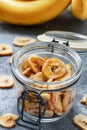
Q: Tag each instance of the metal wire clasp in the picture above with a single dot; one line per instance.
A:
(25, 96)
(66, 43)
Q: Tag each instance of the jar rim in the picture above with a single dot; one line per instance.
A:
(26, 81)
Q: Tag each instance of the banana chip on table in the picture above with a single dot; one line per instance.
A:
(6, 81)
(80, 120)
(22, 41)
(5, 49)
(84, 100)
(8, 120)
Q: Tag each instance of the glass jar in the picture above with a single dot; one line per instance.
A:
(49, 101)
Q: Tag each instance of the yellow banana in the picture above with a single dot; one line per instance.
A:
(31, 12)
(79, 9)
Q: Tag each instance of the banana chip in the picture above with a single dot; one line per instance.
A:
(6, 81)
(80, 120)
(84, 100)
(36, 62)
(48, 113)
(8, 120)
(24, 65)
(39, 77)
(68, 73)
(22, 41)
(54, 68)
(57, 102)
(5, 50)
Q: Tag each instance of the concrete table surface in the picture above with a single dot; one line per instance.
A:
(8, 98)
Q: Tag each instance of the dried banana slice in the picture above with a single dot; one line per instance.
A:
(84, 100)
(8, 120)
(31, 105)
(57, 103)
(48, 113)
(31, 75)
(54, 68)
(22, 41)
(27, 72)
(39, 77)
(81, 121)
(24, 65)
(5, 50)
(46, 96)
(50, 80)
(6, 81)
(46, 58)
(50, 105)
(36, 62)
(68, 73)
(40, 86)
(67, 101)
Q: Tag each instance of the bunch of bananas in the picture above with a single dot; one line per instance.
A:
(31, 12)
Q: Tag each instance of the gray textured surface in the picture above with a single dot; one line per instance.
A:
(8, 98)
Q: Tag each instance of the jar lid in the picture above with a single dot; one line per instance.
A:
(76, 41)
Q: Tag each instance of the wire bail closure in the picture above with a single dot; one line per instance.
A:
(23, 98)
(65, 43)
